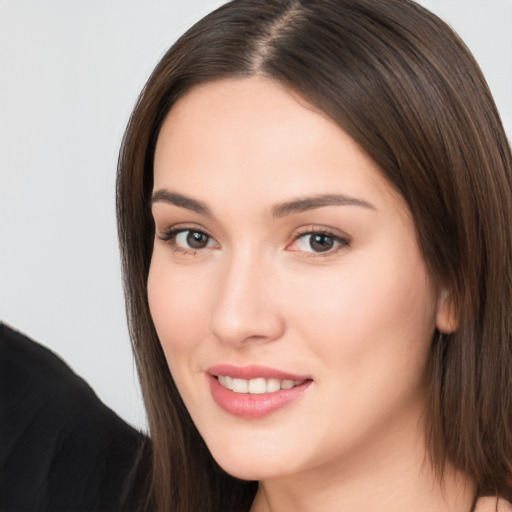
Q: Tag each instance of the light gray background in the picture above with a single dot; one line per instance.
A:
(69, 75)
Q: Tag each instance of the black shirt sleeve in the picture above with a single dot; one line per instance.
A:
(61, 448)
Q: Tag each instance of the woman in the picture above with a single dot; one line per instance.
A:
(314, 204)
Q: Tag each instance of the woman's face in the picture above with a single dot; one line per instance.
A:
(286, 268)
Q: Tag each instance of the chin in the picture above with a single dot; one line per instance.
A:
(253, 461)
(252, 470)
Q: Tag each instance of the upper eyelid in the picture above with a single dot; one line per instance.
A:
(339, 238)
(164, 223)
(342, 239)
(179, 227)
(169, 235)
(336, 233)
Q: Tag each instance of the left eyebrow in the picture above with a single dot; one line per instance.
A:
(309, 203)
(180, 200)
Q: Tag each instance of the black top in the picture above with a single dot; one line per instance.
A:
(61, 448)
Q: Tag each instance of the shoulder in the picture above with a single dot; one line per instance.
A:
(61, 448)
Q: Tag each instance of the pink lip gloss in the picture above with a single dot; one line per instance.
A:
(254, 406)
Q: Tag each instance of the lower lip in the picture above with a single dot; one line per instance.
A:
(245, 405)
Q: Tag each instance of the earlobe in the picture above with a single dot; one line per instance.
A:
(447, 320)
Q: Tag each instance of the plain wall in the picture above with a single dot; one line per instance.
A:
(70, 73)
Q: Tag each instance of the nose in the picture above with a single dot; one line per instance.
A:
(245, 309)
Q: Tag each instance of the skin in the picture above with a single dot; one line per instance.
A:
(490, 504)
(357, 318)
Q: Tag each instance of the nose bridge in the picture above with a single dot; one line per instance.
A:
(243, 309)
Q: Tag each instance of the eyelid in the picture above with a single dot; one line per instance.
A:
(169, 234)
(343, 240)
(172, 229)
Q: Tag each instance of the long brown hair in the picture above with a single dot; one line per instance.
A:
(407, 90)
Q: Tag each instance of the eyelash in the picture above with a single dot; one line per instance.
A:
(170, 235)
(342, 241)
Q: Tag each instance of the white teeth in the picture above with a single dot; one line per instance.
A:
(273, 385)
(240, 385)
(226, 381)
(287, 384)
(256, 386)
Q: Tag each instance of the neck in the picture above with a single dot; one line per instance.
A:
(390, 473)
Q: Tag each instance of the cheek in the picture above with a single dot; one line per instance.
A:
(369, 314)
(368, 331)
(178, 302)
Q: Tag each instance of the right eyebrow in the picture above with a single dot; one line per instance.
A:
(309, 203)
(180, 200)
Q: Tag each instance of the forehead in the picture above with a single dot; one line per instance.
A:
(242, 114)
(253, 134)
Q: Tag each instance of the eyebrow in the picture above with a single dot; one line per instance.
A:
(279, 210)
(309, 203)
(180, 200)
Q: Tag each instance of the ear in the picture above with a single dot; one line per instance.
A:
(447, 320)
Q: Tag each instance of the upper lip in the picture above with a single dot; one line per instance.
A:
(253, 371)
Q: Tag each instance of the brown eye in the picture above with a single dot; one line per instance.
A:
(196, 239)
(188, 240)
(321, 243)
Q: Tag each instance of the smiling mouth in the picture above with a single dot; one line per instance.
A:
(265, 391)
(257, 386)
